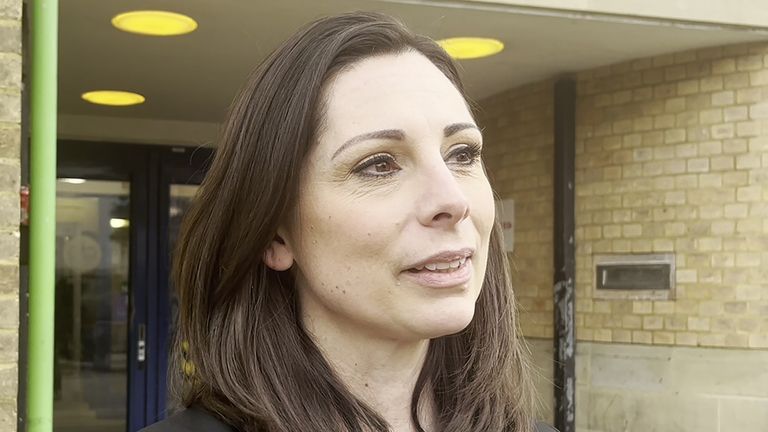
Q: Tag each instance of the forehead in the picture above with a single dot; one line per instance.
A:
(393, 91)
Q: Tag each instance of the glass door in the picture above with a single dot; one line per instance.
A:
(118, 211)
(91, 319)
(180, 198)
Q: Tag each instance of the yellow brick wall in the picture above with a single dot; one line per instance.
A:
(671, 156)
(10, 143)
(519, 153)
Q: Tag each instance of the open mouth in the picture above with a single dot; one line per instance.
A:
(447, 267)
(442, 275)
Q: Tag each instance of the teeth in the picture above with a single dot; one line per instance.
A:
(443, 266)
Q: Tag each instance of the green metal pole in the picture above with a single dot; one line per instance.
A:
(42, 214)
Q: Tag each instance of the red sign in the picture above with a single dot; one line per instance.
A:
(24, 195)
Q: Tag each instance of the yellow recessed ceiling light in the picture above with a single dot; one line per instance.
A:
(154, 23)
(113, 97)
(471, 47)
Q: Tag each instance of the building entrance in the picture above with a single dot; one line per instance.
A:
(118, 209)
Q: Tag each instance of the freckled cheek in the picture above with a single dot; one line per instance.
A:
(345, 228)
(344, 249)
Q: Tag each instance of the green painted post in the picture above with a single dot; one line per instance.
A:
(42, 213)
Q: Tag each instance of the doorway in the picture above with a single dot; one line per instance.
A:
(118, 209)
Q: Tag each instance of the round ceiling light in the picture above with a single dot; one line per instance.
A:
(154, 23)
(113, 97)
(463, 48)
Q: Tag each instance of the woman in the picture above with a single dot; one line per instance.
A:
(341, 268)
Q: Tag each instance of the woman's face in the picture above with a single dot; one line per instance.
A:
(394, 179)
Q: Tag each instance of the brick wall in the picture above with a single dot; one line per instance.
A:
(519, 153)
(671, 156)
(10, 132)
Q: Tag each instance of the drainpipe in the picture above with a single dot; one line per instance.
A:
(42, 213)
(565, 337)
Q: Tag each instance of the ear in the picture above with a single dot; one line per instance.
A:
(278, 255)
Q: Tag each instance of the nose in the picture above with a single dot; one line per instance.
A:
(441, 202)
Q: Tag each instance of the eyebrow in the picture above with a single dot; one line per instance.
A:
(398, 135)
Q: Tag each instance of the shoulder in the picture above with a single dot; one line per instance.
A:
(543, 427)
(189, 420)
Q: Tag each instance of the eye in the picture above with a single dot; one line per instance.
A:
(467, 154)
(380, 165)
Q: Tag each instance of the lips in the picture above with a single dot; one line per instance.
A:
(446, 269)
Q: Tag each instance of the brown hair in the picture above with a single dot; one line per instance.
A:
(255, 367)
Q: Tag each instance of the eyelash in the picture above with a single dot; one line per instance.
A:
(473, 150)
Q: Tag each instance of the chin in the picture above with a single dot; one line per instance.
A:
(447, 319)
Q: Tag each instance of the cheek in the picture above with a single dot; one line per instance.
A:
(483, 217)
(483, 207)
(342, 244)
(335, 223)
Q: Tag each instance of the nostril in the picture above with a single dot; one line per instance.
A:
(451, 218)
(442, 216)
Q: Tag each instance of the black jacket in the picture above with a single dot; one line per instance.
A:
(193, 420)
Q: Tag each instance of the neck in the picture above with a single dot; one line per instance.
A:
(381, 372)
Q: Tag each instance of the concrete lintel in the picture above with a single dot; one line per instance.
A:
(140, 131)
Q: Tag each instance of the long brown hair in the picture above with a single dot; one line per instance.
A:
(247, 358)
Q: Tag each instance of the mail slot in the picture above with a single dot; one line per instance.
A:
(635, 276)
